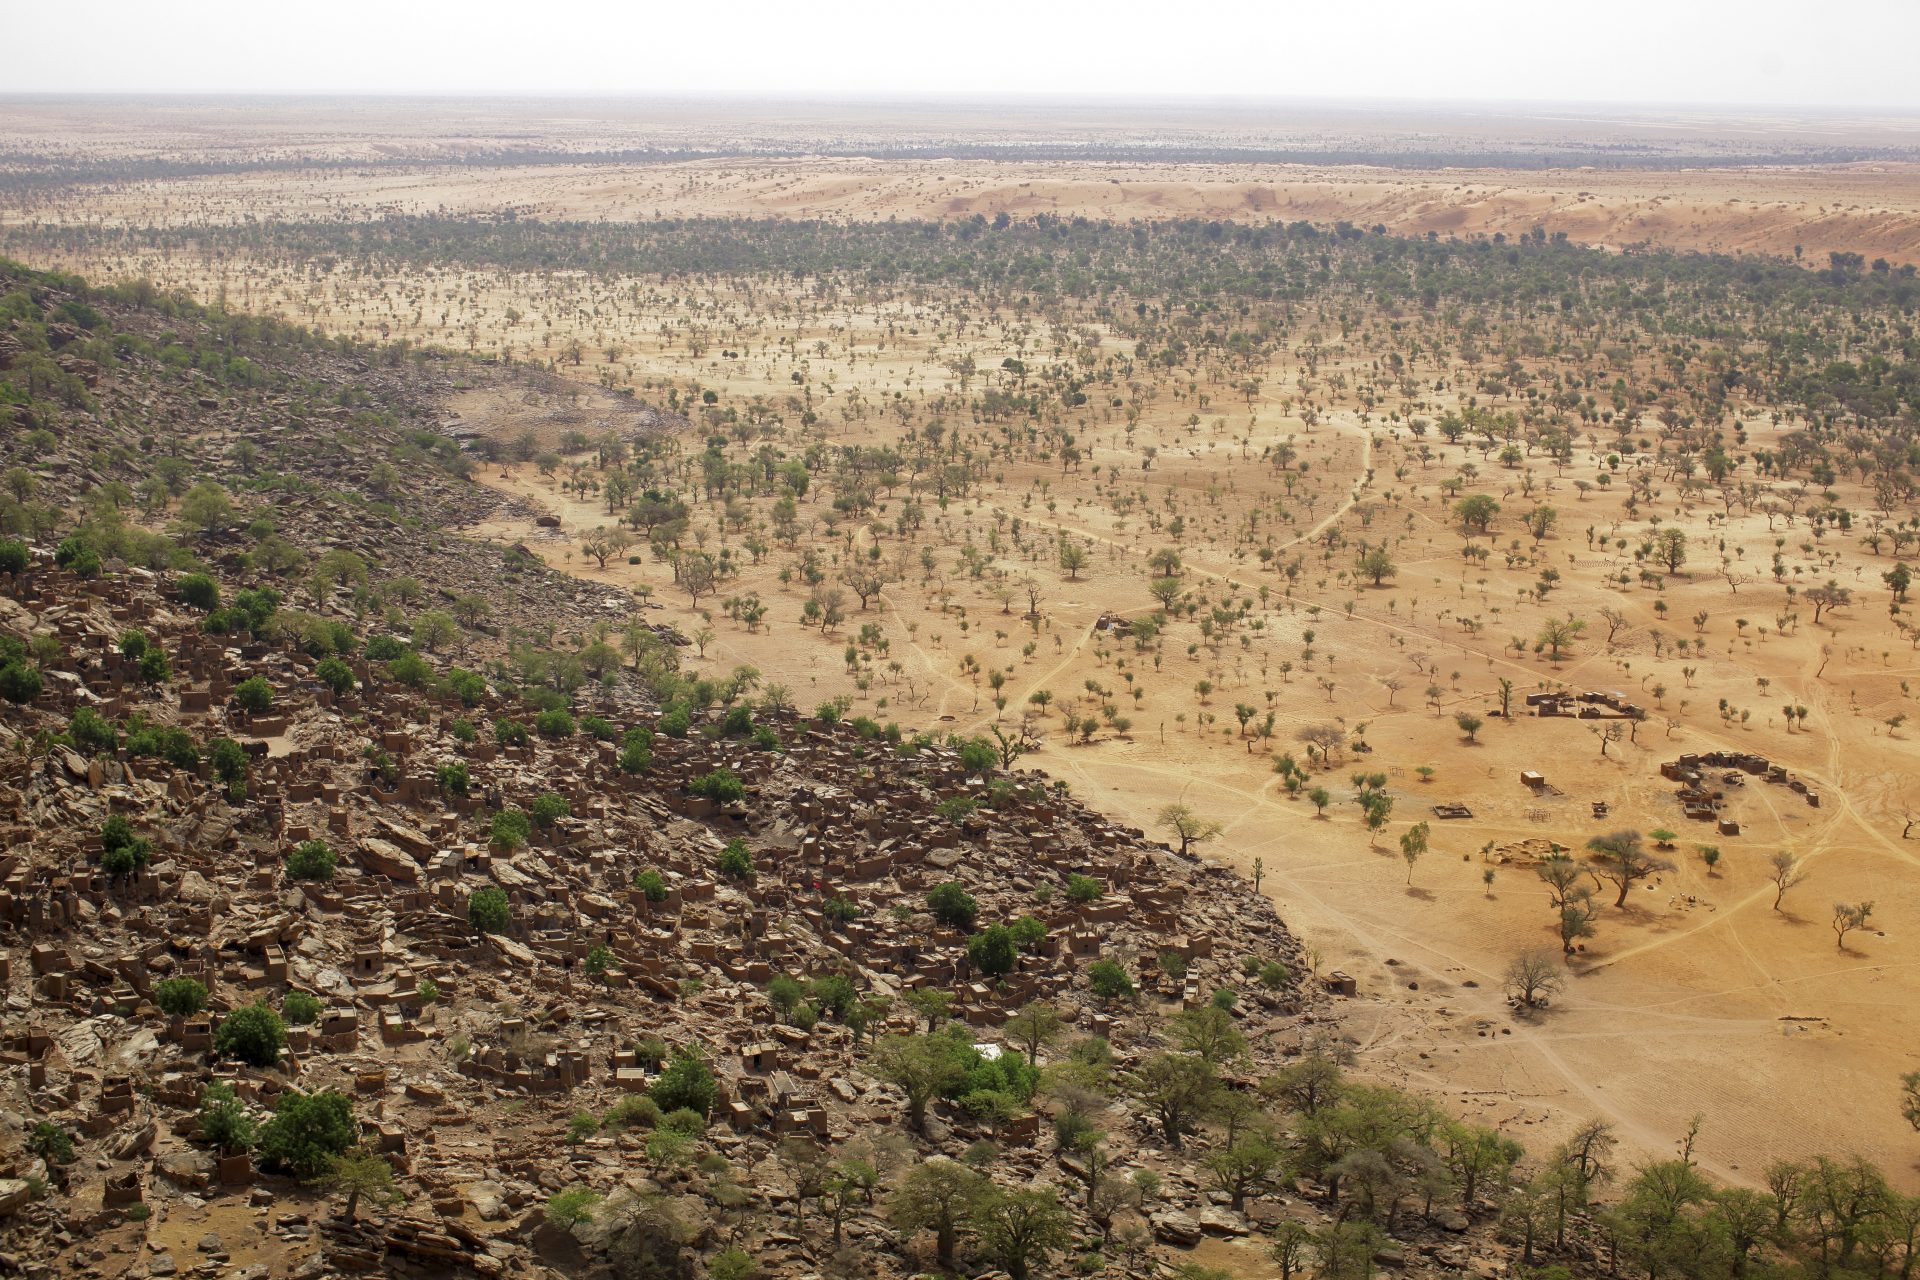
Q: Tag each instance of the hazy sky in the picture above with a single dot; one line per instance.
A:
(1786, 52)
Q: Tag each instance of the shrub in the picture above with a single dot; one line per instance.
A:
(993, 952)
(14, 557)
(738, 722)
(77, 558)
(335, 674)
(200, 591)
(307, 1130)
(254, 695)
(91, 732)
(841, 910)
(635, 1111)
(510, 733)
(652, 884)
(462, 730)
(19, 682)
(722, 786)
(1274, 975)
(509, 828)
(568, 1209)
(598, 728)
(255, 1035)
(467, 686)
(547, 809)
(50, 1142)
(180, 997)
(385, 648)
(953, 905)
(453, 777)
(427, 991)
(977, 755)
(487, 910)
(675, 721)
(1108, 980)
(735, 862)
(557, 723)
(687, 1082)
(684, 1120)
(580, 1128)
(1084, 888)
(311, 860)
(300, 1008)
(411, 670)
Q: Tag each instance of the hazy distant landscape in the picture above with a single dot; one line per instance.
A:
(1481, 535)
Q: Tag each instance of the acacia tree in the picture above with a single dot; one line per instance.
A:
(1621, 857)
(1785, 871)
(1831, 596)
(1558, 634)
(1413, 846)
(1187, 826)
(1848, 916)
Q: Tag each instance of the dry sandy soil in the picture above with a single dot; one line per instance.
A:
(1697, 997)
(1868, 208)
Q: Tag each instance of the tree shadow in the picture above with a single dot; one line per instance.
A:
(1424, 895)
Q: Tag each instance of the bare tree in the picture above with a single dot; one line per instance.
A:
(1785, 871)
(1532, 977)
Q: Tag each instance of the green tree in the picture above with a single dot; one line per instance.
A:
(254, 695)
(1039, 1024)
(1476, 511)
(993, 951)
(307, 1130)
(311, 860)
(952, 905)
(685, 1083)
(1019, 1228)
(487, 909)
(1188, 828)
(357, 1172)
(180, 997)
(1177, 1088)
(923, 1067)
(253, 1034)
(225, 1121)
(936, 1196)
